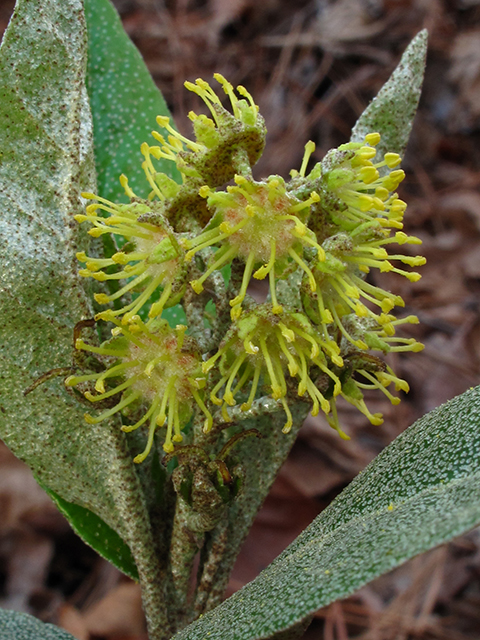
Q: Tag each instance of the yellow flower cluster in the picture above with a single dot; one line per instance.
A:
(160, 367)
(155, 263)
(259, 223)
(328, 229)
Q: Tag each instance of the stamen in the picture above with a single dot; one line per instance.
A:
(226, 228)
(164, 122)
(376, 385)
(279, 373)
(118, 407)
(124, 182)
(104, 351)
(314, 197)
(372, 139)
(301, 263)
(309, 149)
(72, 381)
(387, 378)
(161, 416)
(276, 308)
(217, 387)
(237, 301)
(361, 310)
(123, 290)
(209, 420)
(198, 240)
(208, 364)
(337, 384)
(151, 433)
(320, 251)
(266, 269)
(292, 365)
(176, 423)
(302, 387)
(217, 238)
(315, 350)
(225, 415)
(227, 254)
(148, 370)
(287, 333)
(245, 376)
(334, 423)
(243, 92)
(113, 372)
(203, 90)
(227, 87)
(289, 423)
(358, 343)
(246, 406)
(127, 428)
(168, 444)
(149, 170)
(375, 418)
(227, 394)
(142, 299)
(157, 307)
(276, 389)
(313, 392)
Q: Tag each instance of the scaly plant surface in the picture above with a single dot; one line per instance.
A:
(161, 431)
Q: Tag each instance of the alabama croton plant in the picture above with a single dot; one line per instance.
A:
(153, 398)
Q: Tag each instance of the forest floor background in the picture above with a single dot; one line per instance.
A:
(312, 66)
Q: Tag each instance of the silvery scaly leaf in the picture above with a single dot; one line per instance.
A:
(421, 491)
(46, 161)
(20, 626)
(392, 111)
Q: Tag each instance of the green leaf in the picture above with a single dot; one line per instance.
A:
(421, 491)
(392, 112)
(97, 534)
(124, 102)
(47, 161)
(20, 626)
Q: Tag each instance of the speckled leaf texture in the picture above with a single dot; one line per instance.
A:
(46, 161)
(422, 490)
(124, 102)
(20, 626)
(392, 111)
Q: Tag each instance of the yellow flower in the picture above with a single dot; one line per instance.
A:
(357, 212)
(224, 144)
(379, 378)
(358, 190)
(341, 285)
(160, 368)
(261, 224)
(155, 262)
(263, 346)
